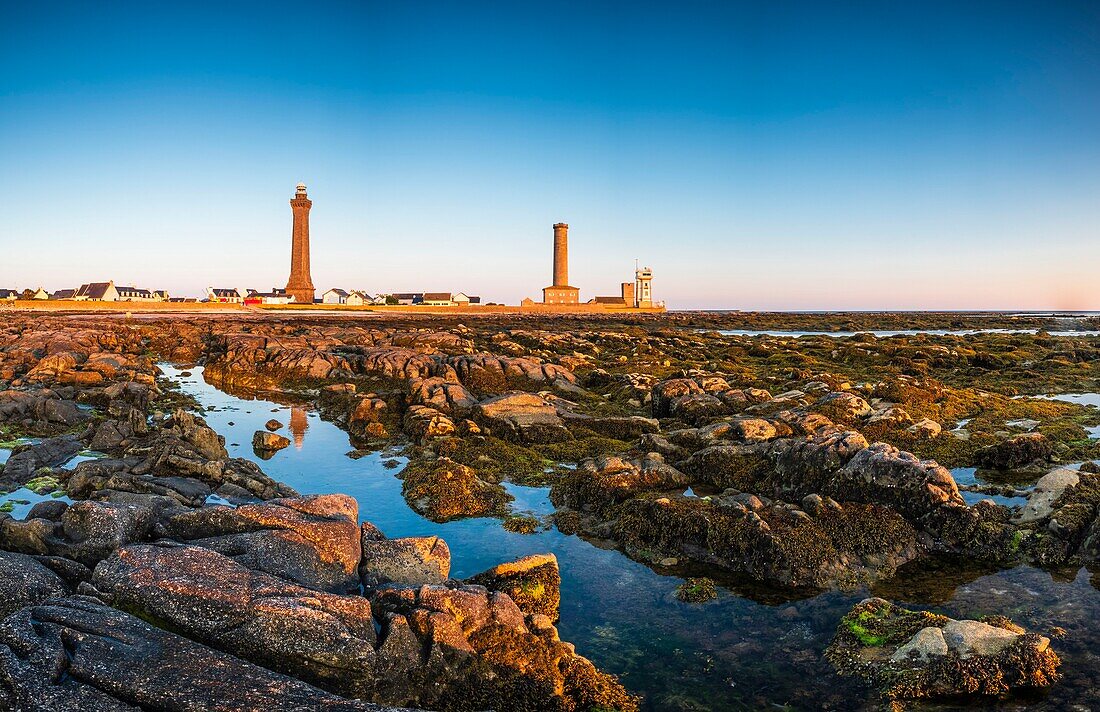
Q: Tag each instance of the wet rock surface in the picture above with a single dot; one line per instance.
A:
(914, 654)
(75, 653)
(795, 463)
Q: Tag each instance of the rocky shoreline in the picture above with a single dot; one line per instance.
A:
(801, 464)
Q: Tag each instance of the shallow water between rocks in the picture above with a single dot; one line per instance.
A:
(883, 334)
(751, 649)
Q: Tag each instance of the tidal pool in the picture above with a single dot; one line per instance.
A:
(18, 503)
(899, 332)
(751, 649)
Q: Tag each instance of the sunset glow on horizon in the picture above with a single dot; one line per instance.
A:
(924, 157)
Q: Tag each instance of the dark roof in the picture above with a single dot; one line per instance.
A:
(6, 293)
(341, 292)
(437, 296)
(609, 300)
(409, 295)
(225, 292)
(475, 300)
(93, 290)
(63, 294)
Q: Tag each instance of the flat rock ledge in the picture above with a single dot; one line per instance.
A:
(908, 654)
(288, 604)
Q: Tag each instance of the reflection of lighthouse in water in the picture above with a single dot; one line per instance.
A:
(298, 425)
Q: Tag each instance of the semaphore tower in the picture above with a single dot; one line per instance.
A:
(300, 284)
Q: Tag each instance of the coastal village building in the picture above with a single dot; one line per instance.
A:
(224, 295)
(133, 294)
(408, 297)
(464, 300)
(97, 292)
(437, 299)
(105, 292)
(275, 296)
(560, 292)
(334, 296)
(300, 284)
(255, 297)
(625, 298)
(359, 298)
(9, 294)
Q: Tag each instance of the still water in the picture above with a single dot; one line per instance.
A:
(751, 649)
(901, 332)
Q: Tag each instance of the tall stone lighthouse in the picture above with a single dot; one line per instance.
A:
(560, 292)
(300, 284)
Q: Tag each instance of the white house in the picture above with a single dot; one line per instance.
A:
(133, 294)
(97, 292)
(357, 298)
(40, 294)
(437, 299)
(276, 296)
(223, 295)
(334, 296)
(464, 300)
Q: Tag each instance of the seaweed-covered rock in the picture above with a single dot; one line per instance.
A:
(600, 482)
(447, 397)
(622, 427)
(882, 473)
(1016, 452)
(25, 460)
(916, 654)
(444, 489)
(424, 423)
(843, 407)
(775, 543)
(533, 582)
(697, 590)
(462, 647)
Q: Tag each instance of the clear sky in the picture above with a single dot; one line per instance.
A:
(757, 155)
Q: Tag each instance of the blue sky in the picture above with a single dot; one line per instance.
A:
(759, 155)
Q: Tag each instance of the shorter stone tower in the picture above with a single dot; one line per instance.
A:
(628, 294)
(560, 292)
